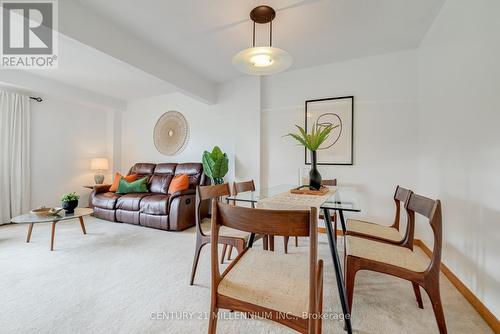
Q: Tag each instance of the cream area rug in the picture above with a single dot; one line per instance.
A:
(121, 278)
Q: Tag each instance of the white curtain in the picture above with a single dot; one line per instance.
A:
(14, 155)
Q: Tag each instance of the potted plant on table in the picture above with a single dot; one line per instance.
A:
(215, 165)
(312, 141)
(69, 202)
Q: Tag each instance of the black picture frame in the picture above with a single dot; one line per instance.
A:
(351, 97)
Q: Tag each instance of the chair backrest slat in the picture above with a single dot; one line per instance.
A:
(421, 205)
(430, 209)
(261, 221)
(205, 193)
(218, 190)
(332, 182)
(240, 187)
(400, 195)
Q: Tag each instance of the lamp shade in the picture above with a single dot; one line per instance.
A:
(262, 60)
(99, 164)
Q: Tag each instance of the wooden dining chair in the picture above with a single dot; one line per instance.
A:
(401, 261)
(287, 289)
(240, 187)
(391, 234)
(228, 236)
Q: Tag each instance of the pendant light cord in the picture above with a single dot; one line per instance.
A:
(270, 32)
(253, 33)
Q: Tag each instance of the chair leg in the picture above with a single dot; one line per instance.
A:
(271, 243)
(197, 252)
(240, 246)
(319, 323)
(212, 322)
(435, 297)
(230, 252)
(296, 241)
(418, 296)
(224, 249)
(285, 244)
(335, 229)
(350, 276)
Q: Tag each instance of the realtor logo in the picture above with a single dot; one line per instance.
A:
(29, 34)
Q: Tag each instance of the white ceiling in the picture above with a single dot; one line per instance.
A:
(84, 67)
(205, 34)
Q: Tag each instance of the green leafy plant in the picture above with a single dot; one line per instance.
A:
(70, 197)
(215, 165)
(312, 141)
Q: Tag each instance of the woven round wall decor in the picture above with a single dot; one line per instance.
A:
(171, 133)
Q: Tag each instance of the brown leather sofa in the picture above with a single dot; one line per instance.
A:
(157, 208)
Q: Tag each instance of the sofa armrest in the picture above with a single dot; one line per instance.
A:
(182, 193)
(101, 189)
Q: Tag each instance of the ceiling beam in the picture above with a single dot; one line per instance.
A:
(34, 84)
(84, 25)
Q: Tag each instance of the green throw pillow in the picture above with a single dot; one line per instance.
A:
(139, 186)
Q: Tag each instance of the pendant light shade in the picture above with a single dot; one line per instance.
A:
(262, 60)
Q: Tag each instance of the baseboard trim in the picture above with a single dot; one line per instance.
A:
(485, 313)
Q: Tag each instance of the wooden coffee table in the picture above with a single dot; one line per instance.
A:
(33, 219)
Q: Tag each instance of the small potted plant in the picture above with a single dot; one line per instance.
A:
(70, 202)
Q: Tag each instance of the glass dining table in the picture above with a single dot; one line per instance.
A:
(344, 199)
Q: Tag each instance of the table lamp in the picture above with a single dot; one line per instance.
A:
(99, 164)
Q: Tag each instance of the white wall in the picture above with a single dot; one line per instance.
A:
(385, 132)
(233, 124)
(64, 137)
(459, 162)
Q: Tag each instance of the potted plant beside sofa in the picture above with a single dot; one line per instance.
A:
(215, 165)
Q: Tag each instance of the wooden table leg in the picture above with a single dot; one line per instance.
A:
(82, 224)
(30, 229)
(52, 236)
(271, 243)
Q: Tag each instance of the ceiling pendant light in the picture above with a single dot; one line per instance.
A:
(262, 60)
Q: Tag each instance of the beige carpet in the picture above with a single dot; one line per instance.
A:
(119, 276)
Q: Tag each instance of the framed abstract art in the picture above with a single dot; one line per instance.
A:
(338, 148)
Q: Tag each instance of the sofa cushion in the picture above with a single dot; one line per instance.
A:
(131, 202)
(138, 186)
(165, 168)
(142, 169)
(154, 221)
(193, 170)
(179, 183)
(125, 216)
(155, 205)
(105, 214)
(118, 177)
(105, 200)
(159, 183)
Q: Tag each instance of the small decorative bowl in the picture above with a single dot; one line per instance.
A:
(46, 212)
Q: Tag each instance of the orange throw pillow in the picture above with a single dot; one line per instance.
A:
(178, 183)
(116, 181)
